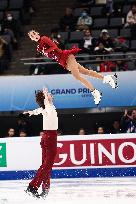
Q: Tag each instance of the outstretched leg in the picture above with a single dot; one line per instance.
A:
(88, 72)
(109, 79)
(72, 66)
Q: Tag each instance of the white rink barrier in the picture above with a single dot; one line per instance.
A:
(77, 156)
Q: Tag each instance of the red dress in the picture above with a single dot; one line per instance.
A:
(57, 54)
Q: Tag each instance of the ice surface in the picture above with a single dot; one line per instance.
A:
(74, 191)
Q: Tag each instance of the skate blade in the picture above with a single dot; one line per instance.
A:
(30, 194)
(99, 101)
(116, 81)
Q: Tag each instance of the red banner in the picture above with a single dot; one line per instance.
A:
(99, 153)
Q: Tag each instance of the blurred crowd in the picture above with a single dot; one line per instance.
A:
(13, 16)
(108, 30)
(126, 124)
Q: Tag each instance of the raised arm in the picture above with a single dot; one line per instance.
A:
(34, 112)
(45, 92)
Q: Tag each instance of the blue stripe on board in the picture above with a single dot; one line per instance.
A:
(71, 173)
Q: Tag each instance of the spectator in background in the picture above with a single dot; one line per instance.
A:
(120, 44)
(22, 123)
(128, 122)
(56, 37)
(88, 43)
(131, 21)
(107, 66)
(22, 133)
(100, 130)
(11, 132)
(3, 55)
(116, 127)
(121, 65)
(68, 21)
(131, 64)
(11, 27)
(106, 40)
(101, 50)
(84, 21)
(81, 131)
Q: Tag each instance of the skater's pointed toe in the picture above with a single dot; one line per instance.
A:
(97, 96)
(111, 80)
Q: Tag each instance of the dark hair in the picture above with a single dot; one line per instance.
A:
(22, 130)
(11, 128)
(40, 98)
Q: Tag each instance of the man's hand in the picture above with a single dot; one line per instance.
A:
(45, 91)
(30, 113)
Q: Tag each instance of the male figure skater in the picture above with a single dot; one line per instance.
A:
(48, 143)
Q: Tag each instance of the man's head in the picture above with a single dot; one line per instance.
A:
(33, 35)
(134, 114)
(100, 130)
(84, 13)
(11, 132)
(40, 98)
(87, 33)
(81, 131)
(116, 125)
(22, 133)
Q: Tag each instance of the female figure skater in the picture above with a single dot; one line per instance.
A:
(48, 143)
(67, 59)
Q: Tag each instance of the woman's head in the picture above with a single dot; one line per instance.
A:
(33, 35)
(8, 16)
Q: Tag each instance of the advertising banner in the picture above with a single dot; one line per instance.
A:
(17, 93)
(77, 156)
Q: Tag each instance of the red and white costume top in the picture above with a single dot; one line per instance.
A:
(49, 49)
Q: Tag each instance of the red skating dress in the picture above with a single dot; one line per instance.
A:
(57, 54)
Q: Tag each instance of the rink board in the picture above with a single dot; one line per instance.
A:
(67, 92)
(112, 155)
